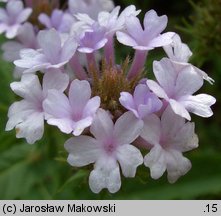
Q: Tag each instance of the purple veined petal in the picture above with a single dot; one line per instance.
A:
(179, 109)
(79, 94)
(79, 126)
(102, 126)
(161, 40)
(127, 128)
(129, 158)
(157, 89)
(14, 8)
(177, 166)
(23, 16)
(126, 39)
(29, 88)
(32, 128)
(50, 42)
(188, 82)
(105, 175)
(53, 109)
(55, 80)
(91, 107)
(199, 104)
(152, 130)
(154, 24)
(165, 74)
(45, 20)
(156, 161)
(83, 150)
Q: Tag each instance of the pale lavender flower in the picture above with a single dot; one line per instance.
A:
(73, 113)
(169, 136)
(113, 22)
(27, 115)
(149, 37)
(177, 87)
(90, 7)
(142, 102)
(12, 17)
(61, 21)
(53, 53)
(145, 39)
(180, 53)
(109, 149)
(92, 40)
(25, 38)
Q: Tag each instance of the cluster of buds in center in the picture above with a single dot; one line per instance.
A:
(108, 106)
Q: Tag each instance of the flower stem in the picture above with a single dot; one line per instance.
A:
(91, 61)
(78, 69)
(138, 63)
(109, 50)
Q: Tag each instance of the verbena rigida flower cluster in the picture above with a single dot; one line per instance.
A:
(68, 77)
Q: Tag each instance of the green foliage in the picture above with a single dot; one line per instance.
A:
(205, 26)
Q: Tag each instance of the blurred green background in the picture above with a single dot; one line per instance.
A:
(40, 171)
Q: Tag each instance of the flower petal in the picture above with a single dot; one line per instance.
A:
(50, 42)
(179, 109)
(177, 166)
(199, 104)
(82, 150)
(126, 39)
(186, 85)
(92, 106)
(53, 109)
(165, 74)
(127, 128)
(32, 128)
(55, 80)
(79, 94)
(154, 24)
(105, 175)
(155, 160)
(29, 88)
(102, 127)
(129, 158)
(157, 89)
(151, 130)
